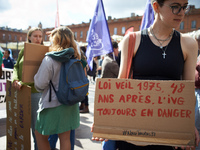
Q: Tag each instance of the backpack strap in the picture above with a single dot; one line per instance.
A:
(51, 85)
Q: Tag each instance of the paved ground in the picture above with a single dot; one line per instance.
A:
(83, 134)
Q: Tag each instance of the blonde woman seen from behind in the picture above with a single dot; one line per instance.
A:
(53, 117)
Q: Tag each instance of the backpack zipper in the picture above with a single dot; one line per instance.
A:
(79, 87)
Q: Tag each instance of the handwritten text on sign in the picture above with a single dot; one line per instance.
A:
(144, 106)
(140, 97)
(18, 117)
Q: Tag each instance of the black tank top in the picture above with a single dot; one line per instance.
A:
(149, 63)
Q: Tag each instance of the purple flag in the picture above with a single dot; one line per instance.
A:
(98, 38)
(148, 17)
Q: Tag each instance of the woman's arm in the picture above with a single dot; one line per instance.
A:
(124, 54)
(44, 74)
(190, 52)
(124, 57)
(15, 79)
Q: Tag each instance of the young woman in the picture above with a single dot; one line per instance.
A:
(34, 35)
(160, 47)
(53, 117)
(161, 53)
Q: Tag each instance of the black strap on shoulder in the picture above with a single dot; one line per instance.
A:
(51, 85)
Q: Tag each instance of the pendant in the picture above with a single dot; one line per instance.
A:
(164, 54)
(161, 47)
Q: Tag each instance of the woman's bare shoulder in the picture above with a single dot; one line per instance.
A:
(188, 42)
(189, 45)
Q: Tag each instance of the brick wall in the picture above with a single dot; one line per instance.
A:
(11, 36)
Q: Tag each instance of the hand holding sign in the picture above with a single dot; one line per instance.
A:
(192, 147)
(97, 138)
(17, 85)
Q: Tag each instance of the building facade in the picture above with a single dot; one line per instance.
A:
(118, 26)
(191, 20)
(11, 35)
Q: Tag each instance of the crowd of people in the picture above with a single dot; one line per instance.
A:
(156, 48)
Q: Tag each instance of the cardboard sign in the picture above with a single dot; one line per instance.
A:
(33, 56)
(146, 112)
(18, 107)
(6, 75)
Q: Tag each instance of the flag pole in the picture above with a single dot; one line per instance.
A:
(57, 21)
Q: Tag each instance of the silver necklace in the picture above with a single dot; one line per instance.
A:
(161, 41)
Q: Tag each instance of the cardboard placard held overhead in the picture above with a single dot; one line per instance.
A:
(33, 56)
(145, 112)
(18, 108)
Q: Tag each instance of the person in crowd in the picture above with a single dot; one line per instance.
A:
(100, 66)
(92, 73)
(7, 61)
(161, 45)
(119, 58)
(84, 107)
(83, 48)
(115, 49)
(156, 50)
(11, 56)
(197, 87)
(95, 66)
(83, 59)
(54, 138)
(53, 117)
(1, 62)
(34, 35)
(110, 67)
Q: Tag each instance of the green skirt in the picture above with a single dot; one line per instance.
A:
(58, 119)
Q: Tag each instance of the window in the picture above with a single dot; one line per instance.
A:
(4, 37)
(115, 31)
(15, 38)
(182, 26)
(45, 37)
(193, 26)
(9, 37)
(81, 34)
(123, 30)
(75, 34)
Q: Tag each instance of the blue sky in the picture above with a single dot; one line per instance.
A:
(21, 14)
